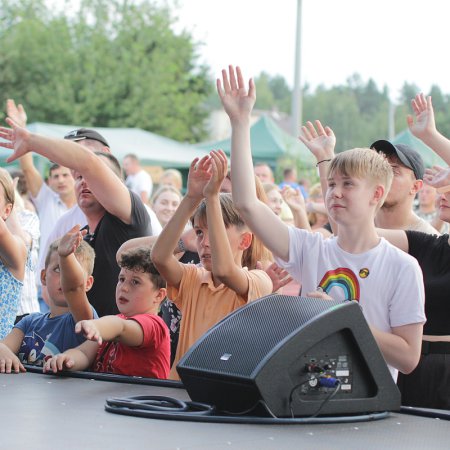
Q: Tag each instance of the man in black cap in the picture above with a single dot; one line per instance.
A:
(397, 210)
(113, 213)
(89, 138)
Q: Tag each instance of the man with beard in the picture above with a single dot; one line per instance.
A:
(113, 213)
(397, 210)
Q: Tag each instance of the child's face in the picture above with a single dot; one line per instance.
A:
(135, 293)
(275, 201)
(203, 242)
(51, 278)
(349, 198)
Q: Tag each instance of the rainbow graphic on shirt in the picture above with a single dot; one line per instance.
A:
(344, 279)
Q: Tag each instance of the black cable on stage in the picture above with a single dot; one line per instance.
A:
(443, 414)
(110, 377)
(167, 408)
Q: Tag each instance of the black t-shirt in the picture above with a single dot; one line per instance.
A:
(190, 257)
(109, 235)
(433, 254)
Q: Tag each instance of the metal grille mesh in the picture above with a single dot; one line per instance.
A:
(239, 342)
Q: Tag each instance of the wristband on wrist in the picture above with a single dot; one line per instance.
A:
(323, 160)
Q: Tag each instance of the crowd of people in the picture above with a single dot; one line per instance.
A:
(109, 273)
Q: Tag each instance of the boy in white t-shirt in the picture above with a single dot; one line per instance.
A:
(355, 265)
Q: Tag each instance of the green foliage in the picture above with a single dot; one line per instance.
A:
(358, 112)
(281, 93)
(110, 63)
(273, 93)
(265, 99)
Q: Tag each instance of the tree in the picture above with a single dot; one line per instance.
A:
(111, 63)
(265, 99)
(281, 93)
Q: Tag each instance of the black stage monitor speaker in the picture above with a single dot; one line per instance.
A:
(293, 355)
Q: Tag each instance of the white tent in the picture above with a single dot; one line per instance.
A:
(150, 148)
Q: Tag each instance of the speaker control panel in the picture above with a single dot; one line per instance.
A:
(325, 372)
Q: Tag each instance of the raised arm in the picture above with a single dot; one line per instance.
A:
(13, 252)
(32, 176)
(320, 141)
(162, 252)
(104, 184)
(296, 202)
(223, 265)
(73, 278)
(238, 104)
(186, 241)
(423, 126)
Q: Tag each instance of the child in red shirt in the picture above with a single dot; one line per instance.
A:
(136, 340)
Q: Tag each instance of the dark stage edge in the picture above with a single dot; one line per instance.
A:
(48, 412)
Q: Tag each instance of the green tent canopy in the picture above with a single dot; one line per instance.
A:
(430, 158)
(150, 148)
(269, 143)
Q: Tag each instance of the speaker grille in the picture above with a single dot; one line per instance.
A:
(222, 352)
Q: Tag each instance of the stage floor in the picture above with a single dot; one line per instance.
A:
(48, 412)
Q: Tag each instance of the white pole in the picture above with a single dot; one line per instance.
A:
(296, 107)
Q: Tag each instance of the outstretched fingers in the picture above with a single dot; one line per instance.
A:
(233, 82)
(329, 132)
(308, 132)
(226, 82)
(319, 127)
(219, 163)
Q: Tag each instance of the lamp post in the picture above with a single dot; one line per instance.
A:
(296, 107)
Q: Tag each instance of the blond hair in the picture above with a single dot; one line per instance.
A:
(364, 163)
(84, 253)
(175, 177)
(314, 192)
(8, 186)
(165, 188)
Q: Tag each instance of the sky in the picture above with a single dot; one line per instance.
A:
(390, 41)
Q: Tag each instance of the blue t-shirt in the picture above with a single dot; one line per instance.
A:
(295, 186)
(45, 336)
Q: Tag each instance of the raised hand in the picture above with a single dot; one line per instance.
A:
(16, 112)
(237, 102)
(199, 175)
(293, 198)
(439, 178)
(219, 166)
(423, 124)
(279, 276)
(16, 138)
(70, 241)
(89, 330)
(319, 140)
